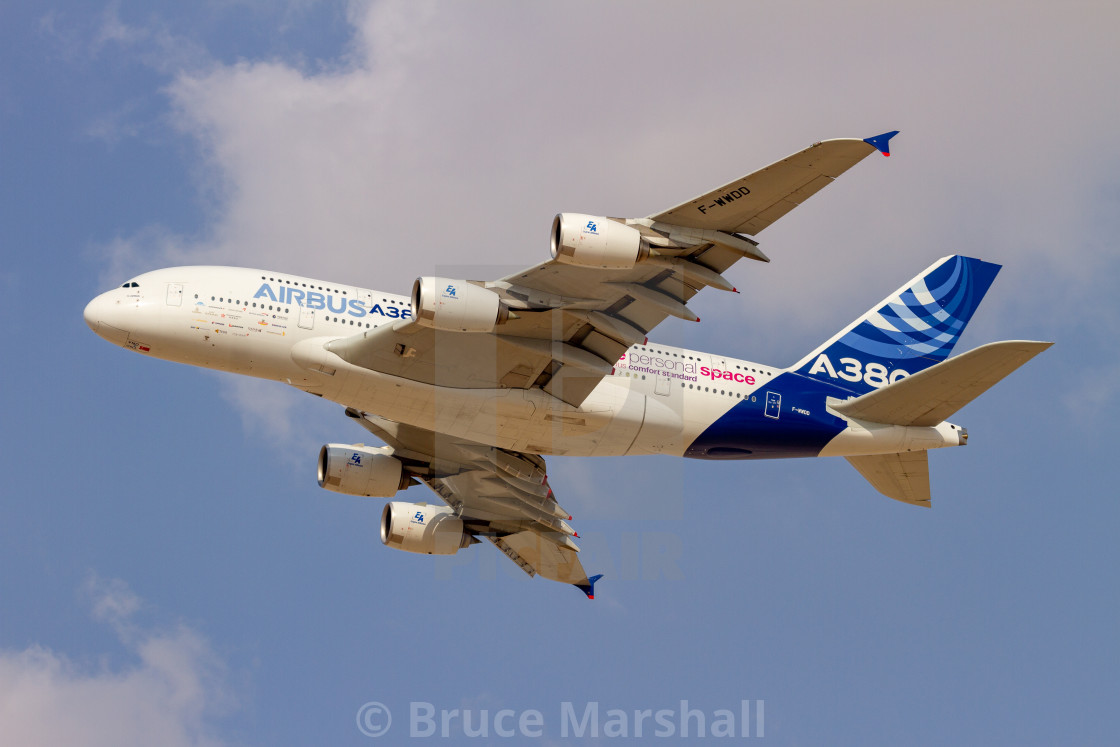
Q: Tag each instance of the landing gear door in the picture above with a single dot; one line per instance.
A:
(773, 405)
(306, 317)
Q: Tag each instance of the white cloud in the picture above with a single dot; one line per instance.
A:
(266, 407)
(171, 693)
(125, 256)
(270, 412)
(112, 601)
(442, 135)
(153, 44)
(450, 134)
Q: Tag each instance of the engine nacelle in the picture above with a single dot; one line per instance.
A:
(456, 305)
(588, 241)
(361, 470)
(418, 527)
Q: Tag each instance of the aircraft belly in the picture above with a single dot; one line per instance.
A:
(175, 334)
(662, 429)
(518, 419)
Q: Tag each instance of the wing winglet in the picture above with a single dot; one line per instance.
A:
(881, 142)
(589, 587)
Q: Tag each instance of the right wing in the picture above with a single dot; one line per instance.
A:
(569, 323)
(501, 495)
(750, 204)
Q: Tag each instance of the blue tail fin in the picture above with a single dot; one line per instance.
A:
(910, 330)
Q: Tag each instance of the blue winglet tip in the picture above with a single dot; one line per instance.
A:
(589, 587)
(881, 142)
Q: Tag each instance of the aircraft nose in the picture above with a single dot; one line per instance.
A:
(90, 314)
(97, 312)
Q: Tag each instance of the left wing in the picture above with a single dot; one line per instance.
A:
(501, 495)
(563, 324)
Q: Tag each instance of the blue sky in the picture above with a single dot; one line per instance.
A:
(169, 571)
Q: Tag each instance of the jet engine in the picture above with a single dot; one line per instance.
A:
(456, 305)
(418, 527)
(589, 241)
(361, 470)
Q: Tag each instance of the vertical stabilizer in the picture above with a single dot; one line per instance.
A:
(909, 331)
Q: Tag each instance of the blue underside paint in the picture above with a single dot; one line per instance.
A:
(909, 331)
(747, 432)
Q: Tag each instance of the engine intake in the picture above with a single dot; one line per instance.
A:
(456, 305)
(590, 241)
(361, 470)
(420, 528)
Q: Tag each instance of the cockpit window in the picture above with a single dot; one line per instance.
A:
(131, 285)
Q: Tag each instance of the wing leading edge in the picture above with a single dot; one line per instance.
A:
(752, 203)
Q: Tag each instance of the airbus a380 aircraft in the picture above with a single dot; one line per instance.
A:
(470, 382)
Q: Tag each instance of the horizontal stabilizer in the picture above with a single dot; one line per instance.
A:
(904, 476)
(933, 395)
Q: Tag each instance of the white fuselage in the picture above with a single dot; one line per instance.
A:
(659, 399)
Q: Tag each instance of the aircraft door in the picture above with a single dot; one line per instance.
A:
(773, 405)
(662, 385)
(174, 294)
(306, 317)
